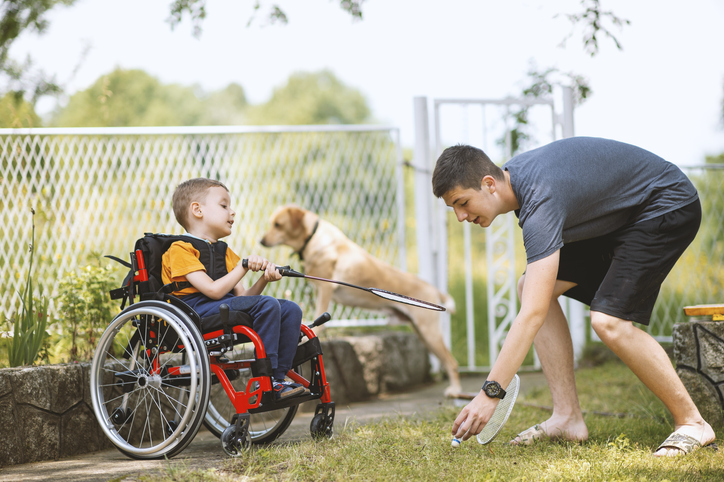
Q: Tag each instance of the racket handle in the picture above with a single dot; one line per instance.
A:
(284, 270)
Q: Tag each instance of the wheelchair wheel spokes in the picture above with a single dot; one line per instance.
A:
(264, 427)
(142, 403)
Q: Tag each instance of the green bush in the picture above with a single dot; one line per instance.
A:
(84, 310)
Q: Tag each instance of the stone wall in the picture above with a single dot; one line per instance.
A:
(699, 357)
(46, 412)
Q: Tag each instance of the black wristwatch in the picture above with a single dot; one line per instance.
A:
(493, 389)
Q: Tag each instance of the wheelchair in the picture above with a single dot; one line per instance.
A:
(156, 376)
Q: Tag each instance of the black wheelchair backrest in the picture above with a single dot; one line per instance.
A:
(144, 277)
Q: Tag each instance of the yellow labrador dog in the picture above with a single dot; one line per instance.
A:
(328, 253)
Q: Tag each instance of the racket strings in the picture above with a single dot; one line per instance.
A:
(501, 414)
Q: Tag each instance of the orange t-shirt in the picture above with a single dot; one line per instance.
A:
(182, 258)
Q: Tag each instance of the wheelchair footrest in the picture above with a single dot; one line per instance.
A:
(268, 403)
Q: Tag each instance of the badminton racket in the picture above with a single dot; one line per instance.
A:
(287, 271)
(501, 413)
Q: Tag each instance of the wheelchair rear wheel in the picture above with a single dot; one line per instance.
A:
(265, 427)
(150, 380)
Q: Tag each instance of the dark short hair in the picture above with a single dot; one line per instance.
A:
(462, 166)
(193, 190)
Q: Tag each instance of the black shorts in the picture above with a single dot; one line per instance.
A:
(621, 273)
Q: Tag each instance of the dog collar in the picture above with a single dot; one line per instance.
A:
(306, 241)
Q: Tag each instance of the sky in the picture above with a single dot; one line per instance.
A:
(663, 91)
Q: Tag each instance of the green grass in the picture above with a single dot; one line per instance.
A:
(418, 448)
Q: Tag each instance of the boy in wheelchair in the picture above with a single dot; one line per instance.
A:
(209, 274)
(198, 348)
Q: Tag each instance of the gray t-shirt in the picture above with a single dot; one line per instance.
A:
(584, 187)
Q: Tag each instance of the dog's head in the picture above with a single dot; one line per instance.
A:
(286, 226)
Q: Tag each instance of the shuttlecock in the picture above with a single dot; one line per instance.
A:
(455, 443)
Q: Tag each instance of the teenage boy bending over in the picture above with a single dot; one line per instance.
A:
(203, 208)
(603, 223)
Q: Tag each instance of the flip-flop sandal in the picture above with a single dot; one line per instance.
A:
(684, 443)
(529, 436)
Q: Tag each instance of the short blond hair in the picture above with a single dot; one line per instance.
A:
(193, 190)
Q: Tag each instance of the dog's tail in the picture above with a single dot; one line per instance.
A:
(448, 302)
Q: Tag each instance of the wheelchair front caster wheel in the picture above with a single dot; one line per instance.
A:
(235, 442)
(321, 427)
(119, 416)
(171, 427)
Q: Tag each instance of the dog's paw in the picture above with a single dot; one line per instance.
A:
(453, 391)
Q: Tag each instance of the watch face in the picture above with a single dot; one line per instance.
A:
(492, 389)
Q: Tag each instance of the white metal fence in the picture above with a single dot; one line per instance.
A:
(96, 191)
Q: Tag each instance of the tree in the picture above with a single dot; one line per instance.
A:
(224, 107)
(541, 85)
(17, 16)
(15, 112)
(20, 77)
(196, 9)
(312, 98)
(131, 98)
(593, 19)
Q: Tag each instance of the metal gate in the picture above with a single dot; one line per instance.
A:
(484, 123)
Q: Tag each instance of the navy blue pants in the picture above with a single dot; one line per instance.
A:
(277, 322)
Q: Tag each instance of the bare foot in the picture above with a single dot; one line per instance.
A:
(701, 432)
(554, 429)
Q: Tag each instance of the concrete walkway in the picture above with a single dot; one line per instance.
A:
(205, 450)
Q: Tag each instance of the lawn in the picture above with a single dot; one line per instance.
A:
(418, 448)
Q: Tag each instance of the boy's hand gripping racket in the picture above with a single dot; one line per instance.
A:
(287, 271)
(501, 414)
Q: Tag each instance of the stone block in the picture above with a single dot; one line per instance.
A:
(85, 377)
(41, 433)
(11, 440)
(406, 362)
(392, 361)
(5, 382)
(55, 388)
(368, 350)
(705, 396)
(80, 433)
(343, 370)
(699, 358)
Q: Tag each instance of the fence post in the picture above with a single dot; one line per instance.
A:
(576, 311)
(425, 209)
(423, 179)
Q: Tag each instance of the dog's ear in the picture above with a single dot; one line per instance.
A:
(296, 216)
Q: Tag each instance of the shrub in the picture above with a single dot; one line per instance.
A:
(84, 310)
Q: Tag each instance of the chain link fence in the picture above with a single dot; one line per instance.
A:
(95, 191)
(698, 277)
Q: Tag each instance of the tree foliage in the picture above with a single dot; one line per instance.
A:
(196, 10)
(312, 98)
(594, 19)
(541, 85)
(21, 78)
(135, 98)
(16, 112)
(18, 16)
(130, 98)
